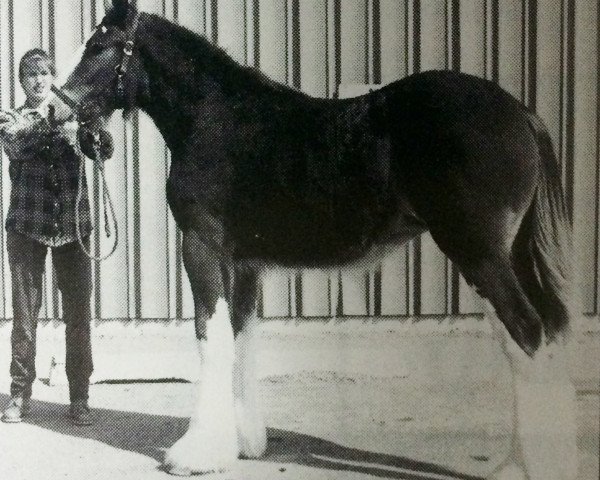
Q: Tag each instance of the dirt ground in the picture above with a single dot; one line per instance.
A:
(352, 404)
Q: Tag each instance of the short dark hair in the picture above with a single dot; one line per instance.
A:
(36, 55)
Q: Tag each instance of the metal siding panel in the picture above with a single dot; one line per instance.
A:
(313, 80)
(313, 47)
(153, 281)
(192, 14)
(99, 10)
(27, 34)
(315, 293)
(510, 46)
(586, 151)
(273, 44)
(173, 251)
(394, 61)
(153, 224)
(332, 35)
(394, 65)
(394, 272)
(549, 71)
(114, 279)
(473, 47)
(353, 25)
(68, 28)
(6, 81)
(187, 299)
(116, 273)
(433, 35)
(156, 7)
(273, 39)
(353, 58)
(132, 214)
(433, 55)
(276, 294)
(232, 28)
(473, 37)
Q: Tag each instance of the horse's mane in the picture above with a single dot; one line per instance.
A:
(202, 55)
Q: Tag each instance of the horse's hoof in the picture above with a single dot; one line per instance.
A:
(188, 457)
(252, 433)
(508, 472)
(179, 472)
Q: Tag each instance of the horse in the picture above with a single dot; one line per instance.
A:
(264, 175)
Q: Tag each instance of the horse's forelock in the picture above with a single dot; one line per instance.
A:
(120, 15)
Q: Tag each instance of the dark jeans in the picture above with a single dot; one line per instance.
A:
(26, 258)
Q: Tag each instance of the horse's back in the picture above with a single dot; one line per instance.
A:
(322, 182)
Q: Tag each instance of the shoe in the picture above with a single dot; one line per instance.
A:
(17, 408)
(80, 414)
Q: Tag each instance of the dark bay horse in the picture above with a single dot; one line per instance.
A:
(264, 175)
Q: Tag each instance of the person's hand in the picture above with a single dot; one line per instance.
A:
(6, 117)
(88, 143)
(6, 120)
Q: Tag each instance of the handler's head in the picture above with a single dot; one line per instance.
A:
(36, 73)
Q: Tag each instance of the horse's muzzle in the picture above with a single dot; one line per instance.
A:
(89, 112)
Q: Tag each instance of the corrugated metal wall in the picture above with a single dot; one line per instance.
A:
(545, 52)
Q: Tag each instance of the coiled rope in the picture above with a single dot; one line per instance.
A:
(106, 198)
(106, 201)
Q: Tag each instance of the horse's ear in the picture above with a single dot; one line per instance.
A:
(117, 9)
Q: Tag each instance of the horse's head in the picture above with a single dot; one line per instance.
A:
(109, 74)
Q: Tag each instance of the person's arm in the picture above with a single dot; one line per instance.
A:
(80, 138)
(20, 135)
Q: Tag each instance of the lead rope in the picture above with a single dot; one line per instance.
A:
(106, 201)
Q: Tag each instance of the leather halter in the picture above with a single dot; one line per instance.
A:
(121, 71)
(121, 68)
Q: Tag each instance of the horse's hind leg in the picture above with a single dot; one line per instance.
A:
(252, 434)
(210, 443)
(543, 444)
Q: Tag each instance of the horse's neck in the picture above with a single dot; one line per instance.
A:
(183, 78)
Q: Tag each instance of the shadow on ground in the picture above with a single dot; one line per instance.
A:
(151, 435)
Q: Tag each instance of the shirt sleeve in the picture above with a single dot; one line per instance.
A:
(17, 133)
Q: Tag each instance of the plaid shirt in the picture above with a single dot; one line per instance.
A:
(44, 173)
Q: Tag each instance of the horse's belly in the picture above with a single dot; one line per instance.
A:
(312, 239)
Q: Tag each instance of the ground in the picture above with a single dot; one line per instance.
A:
(348, 401)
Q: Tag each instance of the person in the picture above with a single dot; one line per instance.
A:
(43, 147)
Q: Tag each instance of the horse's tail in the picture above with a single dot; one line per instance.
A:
(543, 248)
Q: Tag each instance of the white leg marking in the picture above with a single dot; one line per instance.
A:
(252, 433)
(544, 443)
(210, 444)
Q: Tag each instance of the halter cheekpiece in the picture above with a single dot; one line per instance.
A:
(121, 68)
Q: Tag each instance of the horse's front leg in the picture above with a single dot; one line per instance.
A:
(252, 436)
(210, 444)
